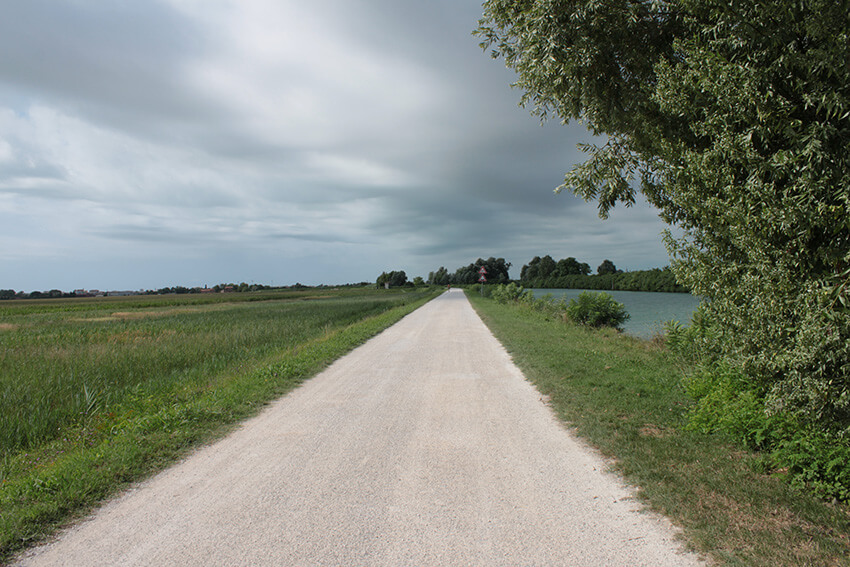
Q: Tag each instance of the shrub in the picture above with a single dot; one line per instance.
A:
(695, 343)
(597, 310)
(728, 401)
(512, 293)
(816, 459)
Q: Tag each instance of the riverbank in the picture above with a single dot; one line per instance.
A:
(648, 311)
(622, 394)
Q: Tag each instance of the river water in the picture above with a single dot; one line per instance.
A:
(649, 310)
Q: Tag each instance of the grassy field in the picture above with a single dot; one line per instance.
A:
(623, 396)
(96, 393)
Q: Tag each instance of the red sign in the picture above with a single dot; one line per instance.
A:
(482, 271)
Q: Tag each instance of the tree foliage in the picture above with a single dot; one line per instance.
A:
(569, 273)
(543, 268)
(497, 272)
(606, 267)
(733, 119)
(394, 278)
(439, 277)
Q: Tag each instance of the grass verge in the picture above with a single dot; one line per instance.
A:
(623, 395)
(152, 424)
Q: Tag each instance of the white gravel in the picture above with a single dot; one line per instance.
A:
(425, 446)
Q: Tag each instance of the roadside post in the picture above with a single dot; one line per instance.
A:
(482, 277)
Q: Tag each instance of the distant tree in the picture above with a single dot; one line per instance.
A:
(439, 277)
(529, 271)
(571, 267)
(497, 271)
(546, 267)
(7, 293)
(418, 281)
(394, 279)
(606, 267)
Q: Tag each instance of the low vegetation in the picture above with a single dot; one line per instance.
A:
(96, 393)
(627, 398)
(728, 403)
(589, 308)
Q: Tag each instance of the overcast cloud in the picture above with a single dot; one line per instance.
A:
(192, 142)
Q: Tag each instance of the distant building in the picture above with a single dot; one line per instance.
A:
(88, 293)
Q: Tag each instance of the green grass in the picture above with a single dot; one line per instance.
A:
(96, 394)
(623, 395)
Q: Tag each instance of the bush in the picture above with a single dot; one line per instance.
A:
(597, 310)
(695, 343)
(728, 401)
(816, 459)
(512, 293)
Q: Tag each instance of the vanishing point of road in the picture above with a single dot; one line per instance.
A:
(424, 446)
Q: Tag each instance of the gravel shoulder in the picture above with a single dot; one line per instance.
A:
(425, 446)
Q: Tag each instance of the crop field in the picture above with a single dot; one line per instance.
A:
(98, 392)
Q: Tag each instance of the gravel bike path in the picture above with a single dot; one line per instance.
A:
(424, 446)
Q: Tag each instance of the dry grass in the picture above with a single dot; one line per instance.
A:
(650, 430)
(144, 314)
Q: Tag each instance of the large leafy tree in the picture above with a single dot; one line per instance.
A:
(497, 271)
(396, 278)
(439, 277)
(606, 267)
(732, 117)
(571, 267)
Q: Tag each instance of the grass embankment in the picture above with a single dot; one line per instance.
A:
(623, 396)
(97, 394)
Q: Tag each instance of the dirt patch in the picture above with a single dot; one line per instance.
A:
(745, 518)
(8, 327)
(650, 430)
(146, 314)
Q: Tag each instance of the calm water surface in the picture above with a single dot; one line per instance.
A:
(649, 310)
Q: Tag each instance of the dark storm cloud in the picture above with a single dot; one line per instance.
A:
(334, 139)
(101, 59)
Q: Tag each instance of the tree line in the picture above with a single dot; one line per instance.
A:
(243, 287)
(569, 273)
(496, 268)
(52, 294)
(545, 272)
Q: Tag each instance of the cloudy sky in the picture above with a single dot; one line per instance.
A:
(192, 142)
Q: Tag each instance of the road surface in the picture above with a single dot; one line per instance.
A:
(425, 446)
